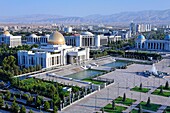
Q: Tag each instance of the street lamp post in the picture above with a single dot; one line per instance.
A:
(134, 80)
(131, 99)
(154, 82)
(107, 94)
(95, 101)
(126, 83)
(118, 89)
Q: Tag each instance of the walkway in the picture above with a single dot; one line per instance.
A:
(123, 78)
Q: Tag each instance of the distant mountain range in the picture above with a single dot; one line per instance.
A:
(148, 16)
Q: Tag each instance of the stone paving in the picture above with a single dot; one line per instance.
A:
(124, 80)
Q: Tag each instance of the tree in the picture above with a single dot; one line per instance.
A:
(113, 104)
(161, 90)
(167, 85)
(124, 97)
(31, 68)
(1, 101)
(29, 100)
(140, 88)
(55, 109)
(56, 99)
(140, 109)
(9, 63)
(102, 110)
(30, 111)
(38, 67)
(14, 98)
(6, 106)
(148, 102)
(46, 106)
(15, 107)
(38, 102)
(23, 109)
(8, 95)
(24, 70)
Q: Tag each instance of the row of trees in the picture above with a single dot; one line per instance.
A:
(136, 55)
(8, 61)
(10, 69)
(142, 55)
(123, 44)
(36, 102)
(5, 51)
(45, 88)
(15, 108)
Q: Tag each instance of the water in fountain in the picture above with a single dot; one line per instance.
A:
(153, 70)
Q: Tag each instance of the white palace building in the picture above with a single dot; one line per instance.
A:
(10, 40)
(88, 39)
(85, 39)
(55, 53)
(158, 45)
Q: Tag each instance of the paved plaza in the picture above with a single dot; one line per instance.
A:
(124, 80)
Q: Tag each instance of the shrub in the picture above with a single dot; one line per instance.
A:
(167, 85)
(124, 97)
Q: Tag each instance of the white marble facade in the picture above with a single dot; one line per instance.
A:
(159, 45)
(55, 53)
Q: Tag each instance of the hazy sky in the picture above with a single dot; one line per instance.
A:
(78, 7)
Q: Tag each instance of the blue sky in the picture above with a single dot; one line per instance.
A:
(78, 7)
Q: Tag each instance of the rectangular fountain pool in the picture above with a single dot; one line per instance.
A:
(117, 63)
(84, 74)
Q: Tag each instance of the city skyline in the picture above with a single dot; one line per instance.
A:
(79, 8)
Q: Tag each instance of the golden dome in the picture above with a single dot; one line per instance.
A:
(6, 33)
(56, 38)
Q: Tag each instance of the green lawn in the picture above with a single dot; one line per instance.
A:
(118, 109)
(128, 101)
(164, 88)
(165, 94)
(167, 110)
(93, 81)
(136, 111)
(152, 107)
(143, 90)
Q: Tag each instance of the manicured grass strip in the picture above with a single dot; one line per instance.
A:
(93, 81)
(127, 102)
(165, 94)
(118, 109)
(143, 90)
(164, 88)
(136, 111)
(152, 107)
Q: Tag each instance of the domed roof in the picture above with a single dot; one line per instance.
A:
(86, 33)
(56, 38)
(6, 33)
(141, 37)
(33, 35)
(167, 37)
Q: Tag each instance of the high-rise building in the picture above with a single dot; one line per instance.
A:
(132, 28)
(139, 28)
